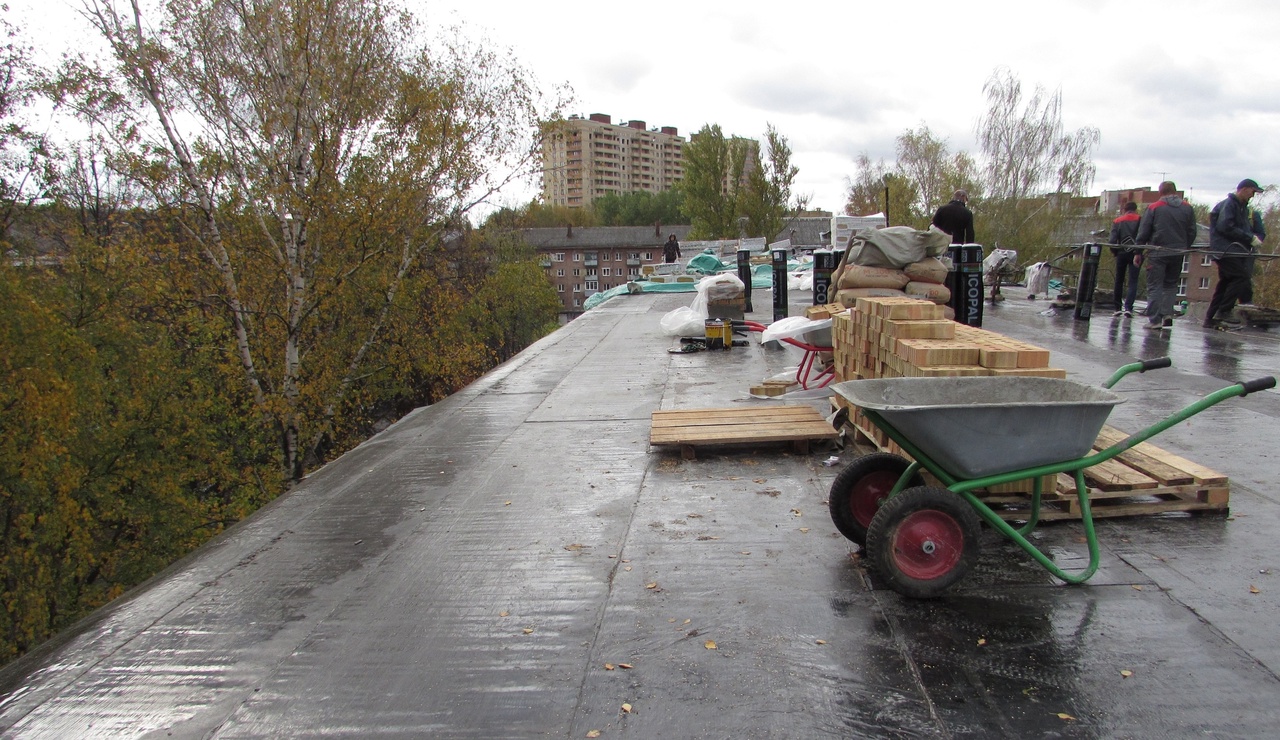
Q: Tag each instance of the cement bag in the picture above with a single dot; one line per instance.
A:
(998, 261)
(800, 280)
(684, 322)
(721, 287)
(688, 321)
(896, 246)
(849, 296)
(860, 276)
(928, 291)
(1037, 279)
(927, 270)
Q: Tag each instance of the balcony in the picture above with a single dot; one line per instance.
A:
(544, 262)
(632, 262)
(590, 263)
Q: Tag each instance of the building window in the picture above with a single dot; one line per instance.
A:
(1206, 260)
(593, 285)
(604, 271)
(558, 257)
(577, 256)
(1186, 264)
(559, 288)
(577, 287)
(634, 272)
(1182, 286)
(648, 256)
(1204, 283)
(577, 272)
(560, 272)
(591, 272)
(577, 303)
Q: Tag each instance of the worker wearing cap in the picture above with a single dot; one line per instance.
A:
(1124, 231)
(1235, 239)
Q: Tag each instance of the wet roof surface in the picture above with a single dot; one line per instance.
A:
(471, 571)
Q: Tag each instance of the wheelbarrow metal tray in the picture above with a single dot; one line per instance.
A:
(973, 427)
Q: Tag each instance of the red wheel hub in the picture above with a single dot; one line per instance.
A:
(868, 493)
(927, 544)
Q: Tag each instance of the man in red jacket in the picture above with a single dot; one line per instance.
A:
(1124, 232)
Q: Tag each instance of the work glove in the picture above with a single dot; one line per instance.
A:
(1257, 243)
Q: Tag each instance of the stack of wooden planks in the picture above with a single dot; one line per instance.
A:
(906, 337)
(691, 428)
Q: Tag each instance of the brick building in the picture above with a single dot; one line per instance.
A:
(582, 261)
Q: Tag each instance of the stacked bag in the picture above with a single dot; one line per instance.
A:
(895, 261)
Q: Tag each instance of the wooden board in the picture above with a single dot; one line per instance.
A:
(691, 428)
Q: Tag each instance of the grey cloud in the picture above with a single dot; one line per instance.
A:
(620, 74)
(790, 92)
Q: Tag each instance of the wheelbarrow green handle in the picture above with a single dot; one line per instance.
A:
(1140, 367)
(1261, 384)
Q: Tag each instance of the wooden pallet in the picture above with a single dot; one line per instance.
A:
(690, 428)
(1144, 479)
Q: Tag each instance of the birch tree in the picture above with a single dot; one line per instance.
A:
(314, 153)
(1026, 149)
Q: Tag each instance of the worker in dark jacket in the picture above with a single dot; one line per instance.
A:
(1170, 224)
(671, 250)
(1235, 235)
(956, 219)
(1124, 231)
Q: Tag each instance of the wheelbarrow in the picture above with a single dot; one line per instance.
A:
(971, 433)
(809, 374)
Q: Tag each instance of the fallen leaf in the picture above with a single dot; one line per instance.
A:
(574, 546)
(745, 552)
(528, 630)
(1136, 588)
(1254, 590)
(709, 644)
(687, 621)
(625, 666)
(982, 641)
(673, 619)
(593, 733)
(628, 568)
(796, 512)
(611, 557)
(759, 480)
(626, 708)
(651, 586)
(504, 614)
(804, 530)
(609, 666)
(1126, 673)
(821, 642)
(507, 503)
(1064, 715)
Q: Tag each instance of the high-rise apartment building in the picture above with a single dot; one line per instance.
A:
(585, 158)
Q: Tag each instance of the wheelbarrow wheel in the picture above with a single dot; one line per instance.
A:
(923, 541)
(859, 489)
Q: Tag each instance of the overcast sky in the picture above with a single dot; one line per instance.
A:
(1188, 91)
